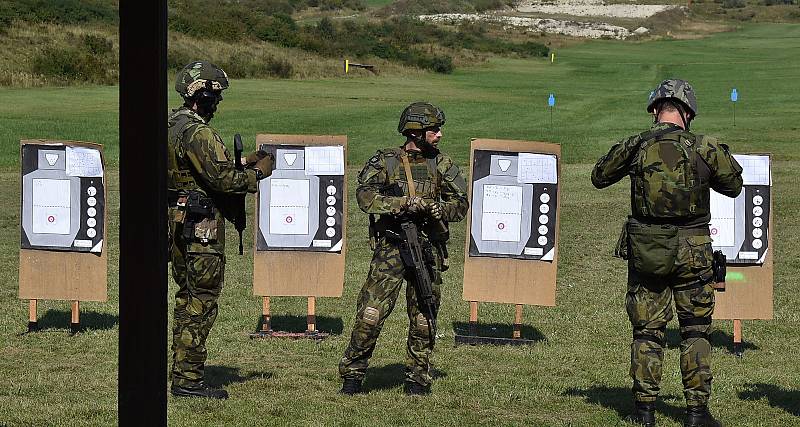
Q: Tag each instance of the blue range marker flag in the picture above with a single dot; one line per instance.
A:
(734, 95)
(551, 101)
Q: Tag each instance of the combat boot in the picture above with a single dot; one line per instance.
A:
(698, 416)
(200, 390)
(351, 386)
(644, 414)
(413, 388)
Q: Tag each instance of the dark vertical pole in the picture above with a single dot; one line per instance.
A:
(142, 235)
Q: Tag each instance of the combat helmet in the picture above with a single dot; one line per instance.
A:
(420, 115)
(200, 75)
(677, 90)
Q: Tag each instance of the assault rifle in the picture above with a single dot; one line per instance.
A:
(239, 215)
(414, 259)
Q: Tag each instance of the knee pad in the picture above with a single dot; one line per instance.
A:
(371, 316)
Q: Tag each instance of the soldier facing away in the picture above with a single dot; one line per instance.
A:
(434, 195)
(201, 179)
(667, 244)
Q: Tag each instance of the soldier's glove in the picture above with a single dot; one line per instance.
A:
(435, 210)
(253, 157)
(415, 205)
(264, 165)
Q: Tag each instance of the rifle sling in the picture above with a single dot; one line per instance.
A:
(412, 191)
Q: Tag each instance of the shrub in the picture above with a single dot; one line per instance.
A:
(733, 4)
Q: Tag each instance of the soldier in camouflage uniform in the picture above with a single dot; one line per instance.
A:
(666, 242)
(383, 191)
(201, 178)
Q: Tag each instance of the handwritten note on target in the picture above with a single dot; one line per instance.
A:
(502, 213)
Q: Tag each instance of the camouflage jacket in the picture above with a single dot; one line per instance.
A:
(718, 170)
(198, 160)
(383, 185)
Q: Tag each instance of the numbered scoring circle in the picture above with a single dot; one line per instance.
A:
(542, 229)
(758, 200)
(544, 208)
(331, 200)
(544, 198)
(91, 222)
(758, 210)
(331, 190)
(330, 232)
(542, 240)
(91, 201)
(543, 219)
(91, 232)
(330, 221)
(757, 222)
(91, 191)
(330, 210)
(757, 244)
(757, 233)
(91, 212)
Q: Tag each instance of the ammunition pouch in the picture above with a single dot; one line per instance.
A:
(200, 223)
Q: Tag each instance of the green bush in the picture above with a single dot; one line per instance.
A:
(779, 2)
(59, 12)
(733, 4)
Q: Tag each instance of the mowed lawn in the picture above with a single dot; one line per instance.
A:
(577, 372)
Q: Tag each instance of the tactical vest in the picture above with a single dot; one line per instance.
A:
(179, 174)
(427, 181)
(669, 179)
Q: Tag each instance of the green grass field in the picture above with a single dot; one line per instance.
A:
(575, 375)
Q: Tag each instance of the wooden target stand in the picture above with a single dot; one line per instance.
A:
(62, 275)
(525, 282)
(298, 273)
(747, 293)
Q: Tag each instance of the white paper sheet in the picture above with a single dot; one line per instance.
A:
(537, 168)
(51, 206)
(502, 213)
(326, 160)
(756, 169)
(83, 161)
(288, 206)
(722, 225)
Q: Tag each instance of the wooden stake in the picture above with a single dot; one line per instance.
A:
(473, 318)
(76, 312)
(266, 325)
(312, 314)
(32, 311)
(517, 322)
(737, 331)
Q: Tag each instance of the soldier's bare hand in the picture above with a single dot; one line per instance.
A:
(255, 156)
(265, 165)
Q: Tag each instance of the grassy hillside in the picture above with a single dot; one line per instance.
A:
(576, 374)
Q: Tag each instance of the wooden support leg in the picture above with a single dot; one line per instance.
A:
(33, 322)
(737, 337)
(266, 322)
(473, 318)
(517, 322)
(312, 315)
(75, 323)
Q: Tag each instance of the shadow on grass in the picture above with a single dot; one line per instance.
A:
(61, 319)
(499, 330)
(331, 325)
(778, 397)
(718, 339)
(221, 376)
(391, 376)
(621, 401)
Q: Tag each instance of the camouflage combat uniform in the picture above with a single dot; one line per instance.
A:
(381, 191)
(198, 162)
(669, 250)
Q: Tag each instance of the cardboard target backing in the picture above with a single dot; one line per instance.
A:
(299, 243)
(511, 250)
(63, 255)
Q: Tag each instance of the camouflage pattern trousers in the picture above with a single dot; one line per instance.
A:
(376, 301)
(199, 277)
(649, 306)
